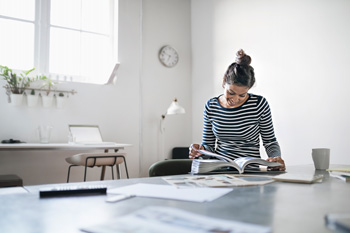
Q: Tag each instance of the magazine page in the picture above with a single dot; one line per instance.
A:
(205, 152)
(244, 161)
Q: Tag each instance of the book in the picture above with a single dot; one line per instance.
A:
(347, 170)
(299, 178)
(345, 176)
(218, 181)
(222, 163)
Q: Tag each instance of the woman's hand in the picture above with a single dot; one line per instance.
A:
(193, 153)
(277, 159)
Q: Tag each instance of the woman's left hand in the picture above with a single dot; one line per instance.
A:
(277, 159)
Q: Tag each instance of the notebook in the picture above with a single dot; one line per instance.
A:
(87, 135)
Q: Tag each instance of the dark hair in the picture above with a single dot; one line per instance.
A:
(240, 72)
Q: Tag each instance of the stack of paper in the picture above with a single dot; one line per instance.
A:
(207, 165)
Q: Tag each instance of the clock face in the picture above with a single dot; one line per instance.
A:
(168, 56)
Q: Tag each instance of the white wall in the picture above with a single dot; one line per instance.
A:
(300, 51)
(165, 22)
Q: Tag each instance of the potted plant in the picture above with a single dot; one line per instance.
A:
(60, 100)
(16, 84)
(32, 99)
(46, 95)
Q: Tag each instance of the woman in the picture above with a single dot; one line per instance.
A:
(235, 120)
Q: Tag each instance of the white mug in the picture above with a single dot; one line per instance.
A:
(321, 158)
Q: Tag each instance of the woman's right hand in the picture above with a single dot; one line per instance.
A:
(193, 153)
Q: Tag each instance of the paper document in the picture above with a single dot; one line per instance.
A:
(171, 192)
(171, 220)
(224, 180)
(299, 178)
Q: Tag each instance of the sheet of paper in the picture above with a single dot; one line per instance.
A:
(223, 180)
(171, 192)
(171, 220)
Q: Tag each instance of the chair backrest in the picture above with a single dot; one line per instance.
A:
(85, 133)
(180, 153)
(170, 167)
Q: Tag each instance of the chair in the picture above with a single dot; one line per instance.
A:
(98, 159)
(170, 167)
(180, 153)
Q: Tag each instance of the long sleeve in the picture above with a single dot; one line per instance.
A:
(209, 139)
(268, 135)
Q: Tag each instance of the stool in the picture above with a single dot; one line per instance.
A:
(10, 181)
(98, 159)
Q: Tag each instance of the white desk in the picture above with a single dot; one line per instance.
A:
(61, 146)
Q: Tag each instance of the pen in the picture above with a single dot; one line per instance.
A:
(116, 198)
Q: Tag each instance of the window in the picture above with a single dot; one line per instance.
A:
(68, 40)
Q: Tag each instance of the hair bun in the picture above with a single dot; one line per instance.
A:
(242, 58)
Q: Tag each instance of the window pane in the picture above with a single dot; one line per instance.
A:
(72, 53)
(95, 16)
(19, 40)
(66, 13)
(64, 52)
(87, 15)
(22, 9)
(96, 60)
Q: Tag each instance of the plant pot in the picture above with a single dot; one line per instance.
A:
(60, 101)
(32, 100)
(16, 99)
(47, 101)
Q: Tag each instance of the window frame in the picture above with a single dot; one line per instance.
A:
(42, 27)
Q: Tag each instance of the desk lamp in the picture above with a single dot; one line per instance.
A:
(173, 109)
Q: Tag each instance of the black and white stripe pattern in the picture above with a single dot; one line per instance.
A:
(235, 132)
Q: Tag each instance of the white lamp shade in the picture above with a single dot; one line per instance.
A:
(175, 108)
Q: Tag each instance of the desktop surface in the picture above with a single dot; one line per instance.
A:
(285, 207)
(61, 146)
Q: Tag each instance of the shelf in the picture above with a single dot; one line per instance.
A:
(8, 91)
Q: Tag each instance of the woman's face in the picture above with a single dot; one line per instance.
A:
(235, 95)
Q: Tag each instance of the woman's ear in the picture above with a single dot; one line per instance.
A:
(223, 82)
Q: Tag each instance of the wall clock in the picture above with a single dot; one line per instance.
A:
(168, 56)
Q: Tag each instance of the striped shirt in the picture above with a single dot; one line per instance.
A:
(235, 132)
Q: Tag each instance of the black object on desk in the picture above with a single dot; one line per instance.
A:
(11, 141)
(73, 191)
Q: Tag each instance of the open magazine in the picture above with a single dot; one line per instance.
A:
(201, 166)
